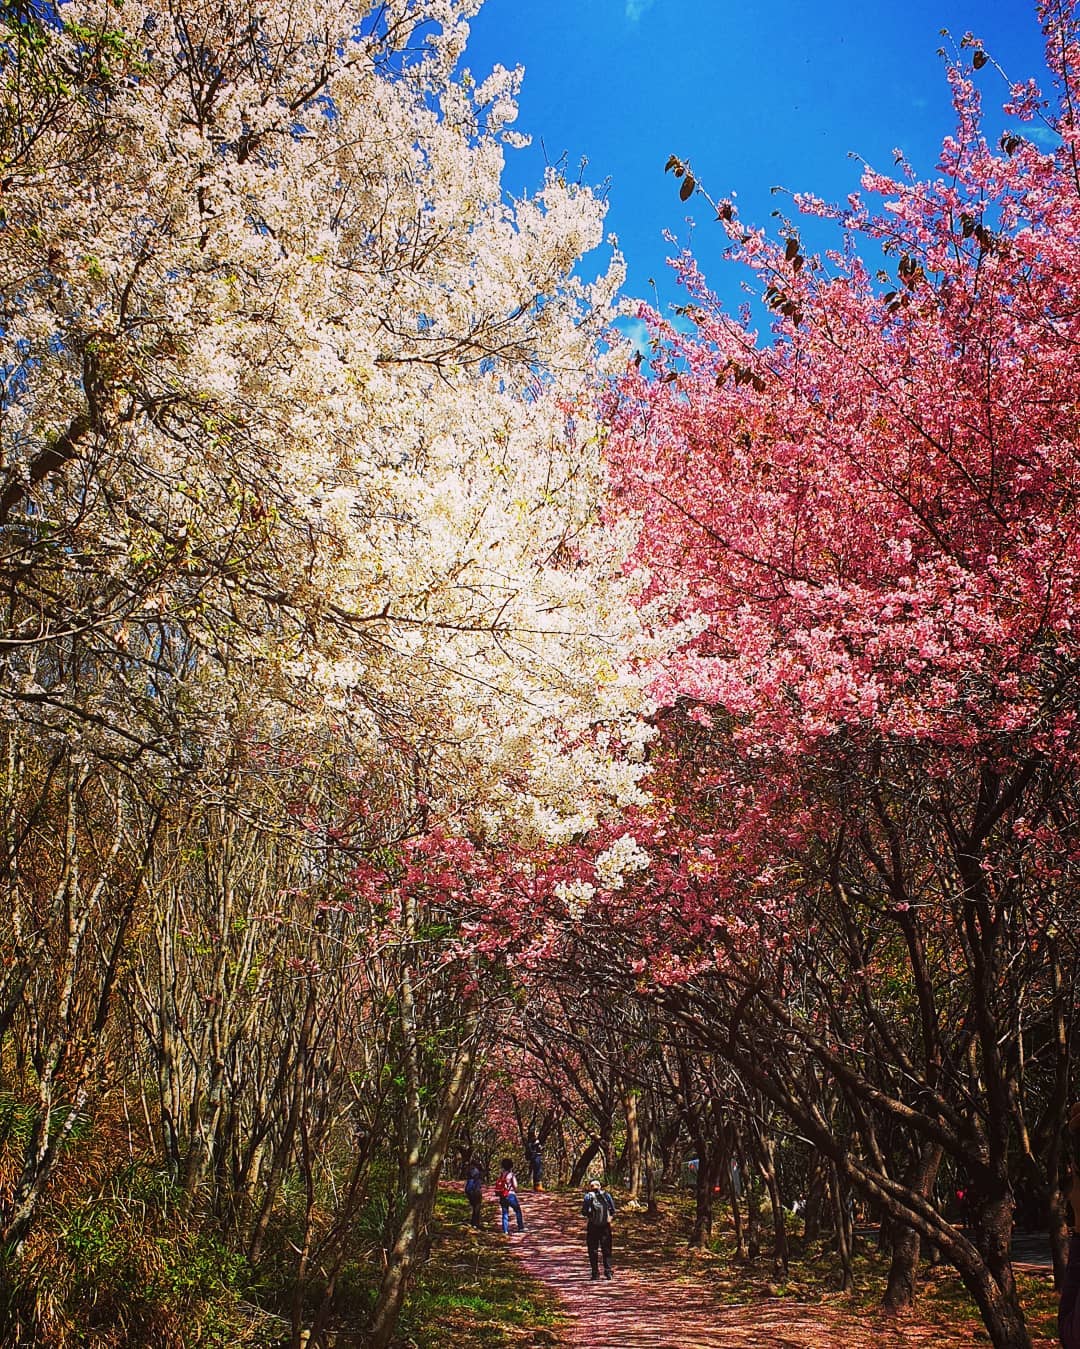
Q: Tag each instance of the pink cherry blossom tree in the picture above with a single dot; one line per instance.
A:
(867, 524)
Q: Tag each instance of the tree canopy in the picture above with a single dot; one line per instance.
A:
(428, 726)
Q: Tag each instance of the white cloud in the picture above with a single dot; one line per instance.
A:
(636, 8)
(1043, 136)
(635, 332)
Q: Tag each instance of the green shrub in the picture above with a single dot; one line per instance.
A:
(124, 1269)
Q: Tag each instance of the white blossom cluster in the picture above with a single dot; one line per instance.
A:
(321, 395)
(624, 858)
(575, 894)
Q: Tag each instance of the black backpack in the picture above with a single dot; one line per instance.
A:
(599, 1213)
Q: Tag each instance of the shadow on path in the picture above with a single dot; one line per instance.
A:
(650, 1307)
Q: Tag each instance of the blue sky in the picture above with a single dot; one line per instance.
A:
(752, 94)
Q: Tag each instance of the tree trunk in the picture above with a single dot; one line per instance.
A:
(993, 1286)
(815, 1202)
(843, 1233)
(422, 1165)
(581, 1167)
(780, 1246)
(709, 1163)
(1055, 1211)
(1000, 1310)
(283, 1152)
(753, 1217)
(648, 1148)
(886, 1237)
(907, 1244)
(652, 1208)
(737, 1223)
(423, 1182)
(633, 1144)
(74, 1047)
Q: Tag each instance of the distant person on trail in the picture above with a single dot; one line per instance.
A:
(1069, 1306)
(534, 1154)
(474, 1190)
(506, 1189)
(598, 1209)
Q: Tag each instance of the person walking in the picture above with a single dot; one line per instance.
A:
(474, 1191)
(598, 1209)
(506, 1189)
(534, 1155)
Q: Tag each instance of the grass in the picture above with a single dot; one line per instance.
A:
(472, 1293)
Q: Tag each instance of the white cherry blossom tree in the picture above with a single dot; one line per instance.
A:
(295, 449)
(294, 395)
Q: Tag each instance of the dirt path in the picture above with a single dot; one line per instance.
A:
(647, 1306)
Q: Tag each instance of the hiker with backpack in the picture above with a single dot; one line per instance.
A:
(598, 1209)
(474, 1190)
(534, 1155)
(506, 1189)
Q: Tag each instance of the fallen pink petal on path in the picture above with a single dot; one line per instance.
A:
(647, 1307)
